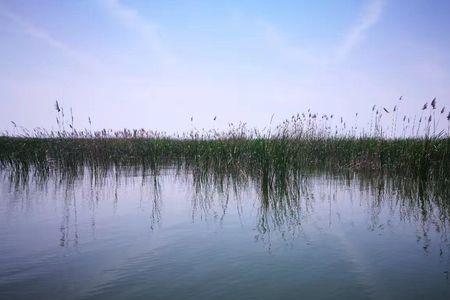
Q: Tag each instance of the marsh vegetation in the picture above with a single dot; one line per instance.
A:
(417, 147)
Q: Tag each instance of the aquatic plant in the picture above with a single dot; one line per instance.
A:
(304, 142)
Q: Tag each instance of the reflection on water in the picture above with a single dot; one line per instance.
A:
(190, 233)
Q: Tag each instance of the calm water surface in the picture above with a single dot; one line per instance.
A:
(170, 237)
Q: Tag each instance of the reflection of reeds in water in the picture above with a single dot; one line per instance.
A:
(88, 186)
(284, 198)
(283, 206)
(284, 201)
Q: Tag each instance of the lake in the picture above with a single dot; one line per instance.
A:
(178, 235)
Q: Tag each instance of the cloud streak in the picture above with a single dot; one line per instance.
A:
(44, 36)
(337, 53)
(132, 19)
(357, 33)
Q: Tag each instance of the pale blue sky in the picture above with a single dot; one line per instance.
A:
(154, 64)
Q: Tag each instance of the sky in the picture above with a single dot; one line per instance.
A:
(157, 64)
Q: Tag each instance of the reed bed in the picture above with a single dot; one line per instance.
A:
(304, 142)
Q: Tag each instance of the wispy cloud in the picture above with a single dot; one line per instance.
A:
(333, 54)
(40, 34)
(132, 19)
(357, 33)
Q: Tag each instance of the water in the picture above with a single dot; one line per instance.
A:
(175, 237)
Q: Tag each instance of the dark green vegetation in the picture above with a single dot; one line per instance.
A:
(419, 157)
(305, 142)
